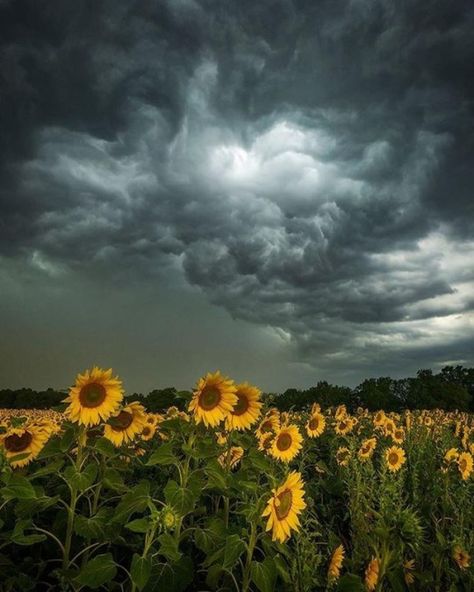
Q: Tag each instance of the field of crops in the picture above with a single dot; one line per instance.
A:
(231, 495)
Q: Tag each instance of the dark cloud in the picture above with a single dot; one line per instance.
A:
(307, 165)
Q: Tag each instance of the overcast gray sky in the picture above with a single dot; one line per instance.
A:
(279, 189)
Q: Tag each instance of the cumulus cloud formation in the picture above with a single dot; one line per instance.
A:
(308, 166)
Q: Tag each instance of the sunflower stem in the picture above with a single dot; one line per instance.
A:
(248, 562)
(73, 502)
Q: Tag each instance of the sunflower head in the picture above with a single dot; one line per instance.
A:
(395, 457)
(335, 563)
(343, 455)
(126, 425)
(465, 464)
(247, 409)
(367, 448)
(316, 425)
(283, 508)
(95, 396)
(461, 557)
(22, 445)
(372, 574)
(213, 399)
(287, 443)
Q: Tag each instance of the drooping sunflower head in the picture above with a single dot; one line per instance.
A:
(22, 445)
(126, 425)
(335, 563)
(451, 455)
(247, 410)
(340, 412)
(372, 574)
(395, 458)
(461, 557)
(398, 435)
(149, 430)
(465, 464)
(367, 448)
(344, 426)
(232, 457)
(379, 418)
(95, 396)
(408, 567)
(269, 424)
(316, 425)
(343, 455)
(287, 443)
(284, 507)
(214, 399)
(265, 441)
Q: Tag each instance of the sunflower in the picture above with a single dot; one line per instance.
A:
(461, 557)
(367, 448)
(148, 432)
(372, 574)
(451, 455)
(379, 418)
(341, 412)
(316, 425)
(270, 423)
(284, 507)
(389, 426)
(344, 426)
(287, 443)
(335, 564)
(247, 409)
(214, 399)
(265, 441)
(95, 396)
(23, 444)
(343, 455)
(408, 567)
(395, 457)
(465, 464)
(126, 425)
(398, 435)
(232, 457)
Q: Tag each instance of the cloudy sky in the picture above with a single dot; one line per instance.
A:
(281, 189)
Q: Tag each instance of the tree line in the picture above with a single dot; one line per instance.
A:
(451, 388)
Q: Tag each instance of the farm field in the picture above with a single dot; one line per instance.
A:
(222, 492)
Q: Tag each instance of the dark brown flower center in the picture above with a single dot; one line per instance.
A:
(146, 431)
(284, 441)
(314, 423)
(92, 395)
(393, 458)
(122, 421)
(209, 398)
(266, 426)
(242, 404)
(16, 443)
(463, 464)
(283, 504)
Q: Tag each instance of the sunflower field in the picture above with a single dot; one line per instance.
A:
(232, 495)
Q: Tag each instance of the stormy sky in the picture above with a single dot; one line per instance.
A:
(281, 189)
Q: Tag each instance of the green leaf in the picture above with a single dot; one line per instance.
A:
(264, 574)
(169, 547)
(139, 525)
(181, 498)
(51, 468)
(234, 547)
(136, 500)
(350, 583)
(93, 527)
(162, 455)
(140, 571)
(174, 577)
(105, 447)
(217, 477)
(97, 572)
(18, 488)
(83, 479)
(67, 439)
(113, 480)
(282, 568)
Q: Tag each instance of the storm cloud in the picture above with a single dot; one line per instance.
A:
(307, 167)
